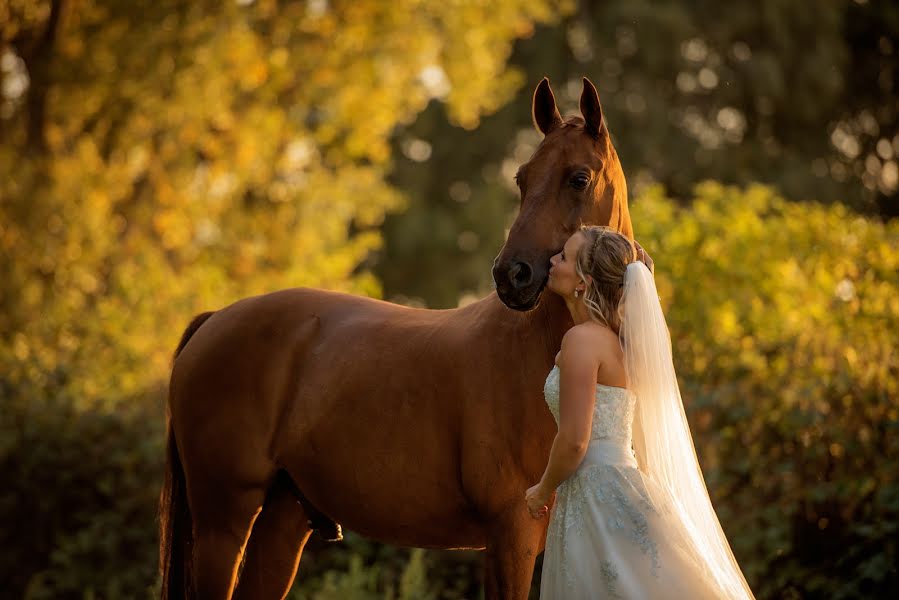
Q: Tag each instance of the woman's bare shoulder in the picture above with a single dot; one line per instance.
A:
(591, 338)
(590, 331)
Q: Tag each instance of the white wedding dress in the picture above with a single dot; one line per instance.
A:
(608, 536)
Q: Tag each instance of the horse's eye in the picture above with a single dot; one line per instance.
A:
(579, 181)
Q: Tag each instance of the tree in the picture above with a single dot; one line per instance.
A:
(160, 158)
(163, 158)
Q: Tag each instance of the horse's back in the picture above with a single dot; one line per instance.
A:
(276, 317)
(236, 374)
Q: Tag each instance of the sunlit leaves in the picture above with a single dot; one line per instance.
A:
(784, 321)
(195, 152)
(199, 152)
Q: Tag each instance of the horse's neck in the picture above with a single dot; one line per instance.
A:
(526, 337)
(523, 346)
(550, 320)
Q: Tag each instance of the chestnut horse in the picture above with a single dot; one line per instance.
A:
(303, 408)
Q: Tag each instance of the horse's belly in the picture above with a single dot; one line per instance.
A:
(403, 490)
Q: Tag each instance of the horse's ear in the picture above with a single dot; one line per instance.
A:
(546, 114)
(591, 109)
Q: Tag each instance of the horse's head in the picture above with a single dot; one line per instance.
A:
(573, 178)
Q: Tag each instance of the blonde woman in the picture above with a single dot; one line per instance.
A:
(632, 516)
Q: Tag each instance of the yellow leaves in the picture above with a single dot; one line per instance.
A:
(86, 281)
(189, 134)
(245, 261)
(54, 135)
(246, 152)
(243, 56)
(173, 230)
(486, 42)
(137, 159)
(278, 57)
(725, 323)
(166, 194)
(523, 28)
(802, 310)
(20, 347)
(700, 362)
(97, 201)
(22, 15)
(234, 152)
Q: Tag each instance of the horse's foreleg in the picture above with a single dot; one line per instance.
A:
(222, 524)
(275, 546)
(513, 543)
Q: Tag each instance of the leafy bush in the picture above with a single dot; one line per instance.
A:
(784, 320)
(373, 582)
(79, 496)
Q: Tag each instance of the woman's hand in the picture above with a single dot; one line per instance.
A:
(643, 257)
(538, 501)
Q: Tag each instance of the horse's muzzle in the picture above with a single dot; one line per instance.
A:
(517, 285)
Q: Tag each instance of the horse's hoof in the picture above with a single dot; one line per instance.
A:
(327, 530)
(332, 534)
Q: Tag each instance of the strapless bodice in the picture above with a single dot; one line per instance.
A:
(613, 414)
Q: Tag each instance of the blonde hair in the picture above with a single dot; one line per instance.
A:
(604, 257)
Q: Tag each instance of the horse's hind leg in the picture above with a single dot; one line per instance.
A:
(276, 544)
(222, 523)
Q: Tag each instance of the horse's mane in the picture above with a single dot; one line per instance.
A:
(573, 121)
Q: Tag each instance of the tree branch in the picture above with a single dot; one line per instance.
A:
(38, 59)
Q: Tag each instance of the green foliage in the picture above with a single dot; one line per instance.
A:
(414, 582)
(360, 582)
(800, 98)
(167, 157)
(79, 497)
(161, 158)
(784, 319)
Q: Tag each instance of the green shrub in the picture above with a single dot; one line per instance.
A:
(375, 582)
(79, 496)
(785, 320)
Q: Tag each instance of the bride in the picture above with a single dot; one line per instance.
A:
(632, 516)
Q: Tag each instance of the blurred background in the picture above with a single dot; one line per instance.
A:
(159, 158)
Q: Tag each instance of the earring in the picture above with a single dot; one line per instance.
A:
(575, 293)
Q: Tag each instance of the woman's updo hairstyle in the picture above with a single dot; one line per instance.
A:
(604, 256)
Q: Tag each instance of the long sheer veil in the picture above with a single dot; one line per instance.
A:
(662, 441)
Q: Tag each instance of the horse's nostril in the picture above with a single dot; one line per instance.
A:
(520, 275)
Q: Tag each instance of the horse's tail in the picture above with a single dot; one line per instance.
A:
(175, 528)
(192, 329)
(175, 523)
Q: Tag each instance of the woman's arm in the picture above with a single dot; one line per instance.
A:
(578, 365)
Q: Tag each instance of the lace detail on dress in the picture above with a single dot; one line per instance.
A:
(610, 577)
(622, 491)
(613, 415)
